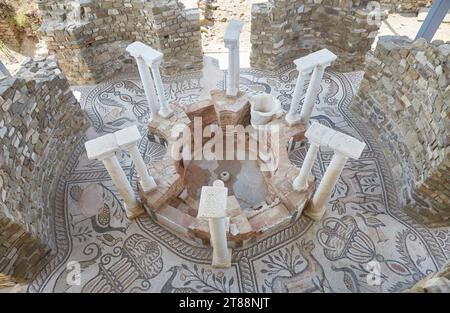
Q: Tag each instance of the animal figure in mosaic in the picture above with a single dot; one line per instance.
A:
(168, 286)
(310, 279)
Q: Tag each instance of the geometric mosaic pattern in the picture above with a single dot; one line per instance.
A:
(362, 227)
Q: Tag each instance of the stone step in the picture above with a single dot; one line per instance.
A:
(270, 218)
(174, 219)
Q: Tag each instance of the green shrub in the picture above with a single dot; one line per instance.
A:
(21, 20)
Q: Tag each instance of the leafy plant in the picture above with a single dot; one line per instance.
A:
(206, 280)
(284, 260)
(21, 20)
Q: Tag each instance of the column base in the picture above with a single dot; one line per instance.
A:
(314, 213)
(221, 262)
(292, 119)
(151, 185)
(232, 93)
(298, 188)
(133, 212)
(165, 112)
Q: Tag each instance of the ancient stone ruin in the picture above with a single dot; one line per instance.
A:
(130, 162)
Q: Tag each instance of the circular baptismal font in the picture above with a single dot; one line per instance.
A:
(255, 168)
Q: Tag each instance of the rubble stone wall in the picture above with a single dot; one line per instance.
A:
(405, 97)
(283, 30)
(90, 37)
(40, 123)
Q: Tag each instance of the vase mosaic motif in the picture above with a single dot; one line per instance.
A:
(341, 238)
(138, 260)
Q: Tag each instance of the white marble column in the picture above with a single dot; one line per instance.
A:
(213, 204)
(301, 181)
(127, 139)
(231, 39)
(311, 94)
(316, 63)
(149, 89)
(298, 93)
(165, 110)
(323, 192)
(103, 149)
(344, 147)
(232, 75)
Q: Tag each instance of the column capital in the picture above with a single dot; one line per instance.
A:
(322, 57)
(232, 33)
(102, 147)
(341, 143)
(140, 50)
(128, 137)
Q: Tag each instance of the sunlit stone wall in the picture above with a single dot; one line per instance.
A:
(284, 30)
(40, 123)
(405, 97)
(89, 37)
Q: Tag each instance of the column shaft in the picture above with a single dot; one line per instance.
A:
(298, 93)
(323, 192)
(164, 110)
(237, 67)
(147, 181)
(301, 181)
(149, 89)
(311, 93)
(231, 85)
(219, 240)
(123, 186)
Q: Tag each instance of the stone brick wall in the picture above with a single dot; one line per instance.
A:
(283, 30)
(40, 122)
(90, 37)
(405, 6)
(405, 96)
(9, 33)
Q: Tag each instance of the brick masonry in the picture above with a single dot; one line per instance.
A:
(284, 30)
(90, 39)
(40, 123)
(9, 32)
(405, 96)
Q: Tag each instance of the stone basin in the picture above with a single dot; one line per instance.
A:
(245, 182)
(259, 203)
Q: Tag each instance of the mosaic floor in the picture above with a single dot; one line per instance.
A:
(362, 229)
